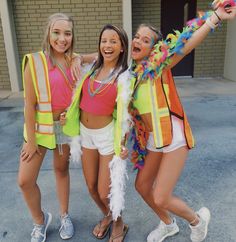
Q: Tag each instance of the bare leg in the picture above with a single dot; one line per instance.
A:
(61, 169)
(145, 181)
(27, 177)
(171, 166)
(91, 169)
(90, 162)
(103, 189)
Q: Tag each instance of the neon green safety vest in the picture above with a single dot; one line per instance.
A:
(71, 128)
(44, 129)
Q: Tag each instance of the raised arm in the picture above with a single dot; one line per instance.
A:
(199, 35)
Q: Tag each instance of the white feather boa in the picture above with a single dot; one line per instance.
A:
(75, 149)
(118, 174)
(118, 170)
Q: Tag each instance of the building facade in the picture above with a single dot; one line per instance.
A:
(22, 26)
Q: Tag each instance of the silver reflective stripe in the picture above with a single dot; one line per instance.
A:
(48, 129)
(44, 107)
(41, 78)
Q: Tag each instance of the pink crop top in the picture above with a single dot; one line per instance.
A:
(102, 103)
(61, 87)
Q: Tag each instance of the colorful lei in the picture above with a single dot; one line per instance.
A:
(139, 137)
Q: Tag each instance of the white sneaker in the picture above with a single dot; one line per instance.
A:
(40, 230)
(199, 231)
(67, 229)
(163, 231)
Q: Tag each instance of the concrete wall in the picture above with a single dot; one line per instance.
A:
(230, 54)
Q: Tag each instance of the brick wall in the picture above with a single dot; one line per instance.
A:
(89, 17)
(148, 11)
(209, 56)
(4, 76)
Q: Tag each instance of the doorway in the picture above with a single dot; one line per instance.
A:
(174, 15)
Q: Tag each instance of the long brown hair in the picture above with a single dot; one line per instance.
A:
(123, 57)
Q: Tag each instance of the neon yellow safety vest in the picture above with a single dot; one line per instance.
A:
(165, 102)
(44, 129)
(71, 128)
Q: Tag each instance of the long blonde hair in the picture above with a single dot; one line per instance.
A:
(46, 40)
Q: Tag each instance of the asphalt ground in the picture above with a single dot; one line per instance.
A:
(209, 177)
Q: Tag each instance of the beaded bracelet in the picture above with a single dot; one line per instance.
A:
(210, 24)
(217, 16)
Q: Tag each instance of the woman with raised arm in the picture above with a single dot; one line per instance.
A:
(162, 135)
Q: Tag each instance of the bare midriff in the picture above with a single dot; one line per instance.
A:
(147, 120)
(92, 121)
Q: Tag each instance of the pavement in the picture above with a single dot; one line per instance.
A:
(209, 177)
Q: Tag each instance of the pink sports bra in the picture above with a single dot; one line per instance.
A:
(61, 85)
(102, 103)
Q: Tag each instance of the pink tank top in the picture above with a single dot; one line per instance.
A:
(102, 103)
(61, 87)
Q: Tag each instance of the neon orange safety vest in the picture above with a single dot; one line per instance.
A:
(44, 129)
(165, 102)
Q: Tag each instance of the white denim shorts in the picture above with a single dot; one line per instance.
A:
(177, 141)
(99, 139)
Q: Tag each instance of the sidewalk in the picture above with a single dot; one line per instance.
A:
(209, 177)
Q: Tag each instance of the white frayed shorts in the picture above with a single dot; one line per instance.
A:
(99, 139)
(177, 141)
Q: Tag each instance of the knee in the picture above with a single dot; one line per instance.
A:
(25, 183)
(61, 171)
(161, 201)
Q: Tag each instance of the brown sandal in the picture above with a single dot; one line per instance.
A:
(101, 227)
(120, 235)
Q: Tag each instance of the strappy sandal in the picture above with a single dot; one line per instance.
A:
(105, 228)
(120, 235)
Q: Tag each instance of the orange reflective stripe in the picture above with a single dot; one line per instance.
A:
(158, 112)
(44, 107)
(42, 56)
(33, 72)
(41, 80)
(44, 128)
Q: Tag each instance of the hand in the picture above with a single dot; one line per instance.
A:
(28, 151)
(223, 3)
(124, 153)
(226, 13)
(76, 67)
(62, 119)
